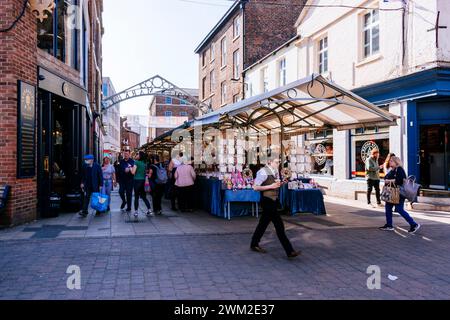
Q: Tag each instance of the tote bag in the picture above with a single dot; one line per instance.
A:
(99, 202)
(410, 189)
(391, 193)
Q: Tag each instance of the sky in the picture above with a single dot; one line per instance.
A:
(144, 38)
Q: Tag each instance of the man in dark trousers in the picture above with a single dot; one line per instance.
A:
(118, 179)
(91, 181)
(268, 182)
(127, 179)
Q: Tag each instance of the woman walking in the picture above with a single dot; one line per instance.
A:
(386, 167)
(397, 176)
(109, 179)
(184, 181)
(139, 172)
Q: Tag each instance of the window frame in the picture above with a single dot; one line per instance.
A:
(370, 29)
(236, 64)
(237, 27)
(323, 55)
(223, 92)
(264, 77)
(223, 52)
(282, 71)
(168, 114)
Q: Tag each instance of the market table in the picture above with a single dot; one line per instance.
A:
(211, 198)
(241, 196)
(303, 201)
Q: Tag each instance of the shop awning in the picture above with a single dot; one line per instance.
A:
(307, 104)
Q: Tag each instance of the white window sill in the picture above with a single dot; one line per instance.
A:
(223, 67)
(237, 37)
(369, 59)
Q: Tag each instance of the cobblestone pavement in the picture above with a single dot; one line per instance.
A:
(200, 257)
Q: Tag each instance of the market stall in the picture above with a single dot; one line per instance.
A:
(237, 140)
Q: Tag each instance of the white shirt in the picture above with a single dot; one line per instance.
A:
(264, 173)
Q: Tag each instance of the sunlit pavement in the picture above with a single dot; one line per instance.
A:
(197, 256)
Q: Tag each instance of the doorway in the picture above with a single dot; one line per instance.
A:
(435, 156)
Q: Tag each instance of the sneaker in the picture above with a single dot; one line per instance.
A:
(122, 207)
(380, 205)
(387, 228)
(159, 212)
(150, 213)
(414, 229)
(136, 215)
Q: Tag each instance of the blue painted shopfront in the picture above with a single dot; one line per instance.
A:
(428, 96)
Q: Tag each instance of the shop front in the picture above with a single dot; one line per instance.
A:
(63, 139)
(423, 140)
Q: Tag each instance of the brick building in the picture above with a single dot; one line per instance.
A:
(247, 32)
(50, 94)
(130, 140)
(167, 113)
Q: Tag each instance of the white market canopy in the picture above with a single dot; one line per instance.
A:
(312, 103)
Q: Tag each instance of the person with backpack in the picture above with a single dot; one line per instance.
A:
(139, 172)
(158, 180)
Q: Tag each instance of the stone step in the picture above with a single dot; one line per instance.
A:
(439, 201)
(418, 206)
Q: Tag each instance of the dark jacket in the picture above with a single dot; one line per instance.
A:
(399, 175)
(96, 178)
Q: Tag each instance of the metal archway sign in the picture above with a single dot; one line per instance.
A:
(155, 86)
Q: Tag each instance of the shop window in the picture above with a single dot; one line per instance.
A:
(363, 142)
(320, 146)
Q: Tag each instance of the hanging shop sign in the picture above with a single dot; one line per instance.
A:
(26, 140)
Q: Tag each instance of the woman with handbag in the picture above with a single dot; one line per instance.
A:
(393, 181)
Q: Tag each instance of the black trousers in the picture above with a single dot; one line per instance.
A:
(157, 194)
(128, 189)
(186, 198)
(122, 192)
(270, 214)
(86, 200)
(139, 192)
(370, 185)
(173, 193)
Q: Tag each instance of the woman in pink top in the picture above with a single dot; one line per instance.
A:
(184, 180)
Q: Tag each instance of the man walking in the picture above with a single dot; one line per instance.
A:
(119, 178)
(268, 182)
(91, 181)
(127, 180)
(373, 176)
(158, 180)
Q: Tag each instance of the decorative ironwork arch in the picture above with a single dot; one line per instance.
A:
(155, 86)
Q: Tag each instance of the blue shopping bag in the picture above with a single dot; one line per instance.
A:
(99, 202)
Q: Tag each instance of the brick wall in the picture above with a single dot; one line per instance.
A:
(213, 94)
(268, 26)
(18, 61)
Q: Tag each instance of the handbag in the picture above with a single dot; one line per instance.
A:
(391, 193)
(410, 189)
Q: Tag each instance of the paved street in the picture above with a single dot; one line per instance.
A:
(196, 256)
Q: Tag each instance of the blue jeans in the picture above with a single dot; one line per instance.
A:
(400, 208)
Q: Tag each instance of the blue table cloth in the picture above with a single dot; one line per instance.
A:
(303, 201)
(242, 196)
(211, 198)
